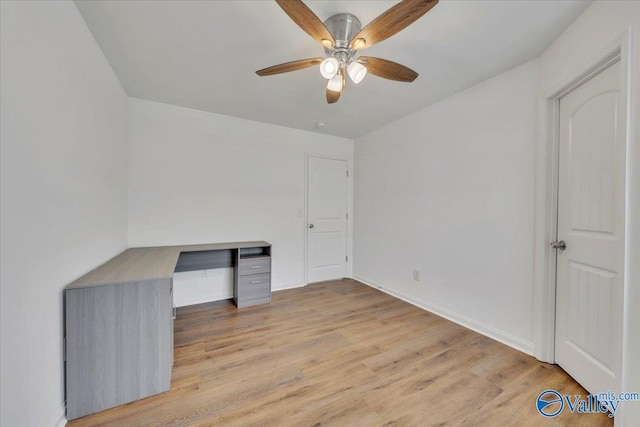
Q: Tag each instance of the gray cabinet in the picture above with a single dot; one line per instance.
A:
(252, 282)
(119, 344)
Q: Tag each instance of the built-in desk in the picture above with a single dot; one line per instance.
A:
(119, 318)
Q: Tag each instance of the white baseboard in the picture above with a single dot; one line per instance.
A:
(59, 419)
(479, 327)
(288, 286)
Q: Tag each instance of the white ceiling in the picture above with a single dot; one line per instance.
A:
(204, 54)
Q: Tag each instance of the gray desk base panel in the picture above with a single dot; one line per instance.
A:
(119, 344)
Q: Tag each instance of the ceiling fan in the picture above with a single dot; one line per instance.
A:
(343, 38)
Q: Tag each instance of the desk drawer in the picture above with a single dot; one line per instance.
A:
(254, 265)
(254, 286)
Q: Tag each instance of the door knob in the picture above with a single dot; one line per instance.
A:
(562, 245)
(310, 225)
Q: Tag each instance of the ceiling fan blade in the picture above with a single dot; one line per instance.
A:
(333, 96)
(391, 21)
(289, 66)
(389, 69)
(307, 20)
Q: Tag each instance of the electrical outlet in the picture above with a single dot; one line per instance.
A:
(416, 275)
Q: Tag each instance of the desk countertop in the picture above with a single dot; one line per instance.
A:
(157, 262)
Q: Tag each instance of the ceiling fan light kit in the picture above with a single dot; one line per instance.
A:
(343, 27)
(335, 83)
(343, 37)
(329, 67)
(356, 71)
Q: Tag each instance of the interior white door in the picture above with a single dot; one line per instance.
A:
(591, 195)
(326, 219)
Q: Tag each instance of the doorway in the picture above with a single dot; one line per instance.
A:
(590, 231)
(327, 216)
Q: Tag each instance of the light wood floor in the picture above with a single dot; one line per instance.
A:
(342, 354)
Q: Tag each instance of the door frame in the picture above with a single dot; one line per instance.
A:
(546, 186)
(349, 231)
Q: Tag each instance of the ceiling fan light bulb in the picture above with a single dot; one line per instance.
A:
(326, 43)
(329, 68)
(359, 43)
(356, 72)
(335, 83)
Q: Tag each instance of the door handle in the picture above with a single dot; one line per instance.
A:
(562, 245)
(311, 225)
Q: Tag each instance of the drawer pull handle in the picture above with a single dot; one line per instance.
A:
(255, 267)
(253, 282)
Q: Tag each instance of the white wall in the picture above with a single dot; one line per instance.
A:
(195, 287)
(197, 177)
(448, 190)
(570, 53)
(64, 200)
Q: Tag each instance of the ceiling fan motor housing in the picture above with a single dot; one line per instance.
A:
(343, 27)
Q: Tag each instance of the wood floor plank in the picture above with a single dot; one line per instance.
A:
(343, 354)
